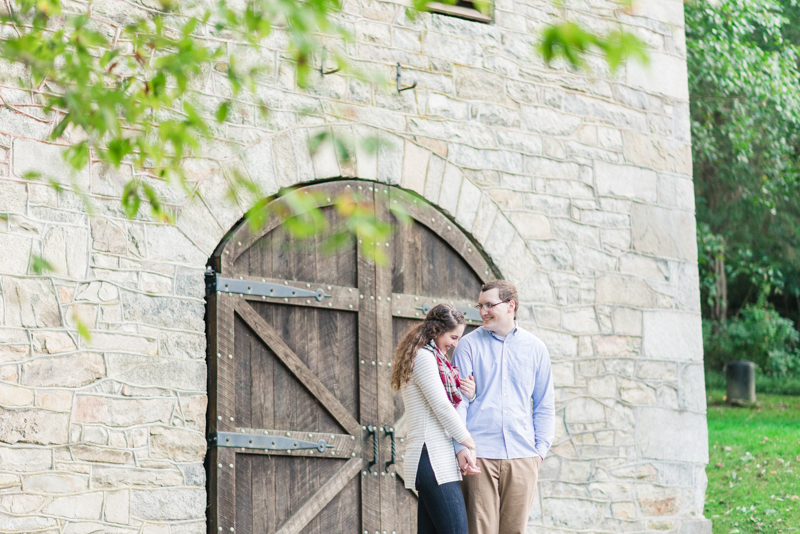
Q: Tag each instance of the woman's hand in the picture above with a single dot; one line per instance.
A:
(467, 387)
(467, 458)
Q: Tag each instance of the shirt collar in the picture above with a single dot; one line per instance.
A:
(512, 333)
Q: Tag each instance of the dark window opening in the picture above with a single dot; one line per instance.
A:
(461, 9)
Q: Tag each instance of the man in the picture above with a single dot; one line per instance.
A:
(511, 414)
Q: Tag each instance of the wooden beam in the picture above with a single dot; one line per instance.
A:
(321, 498)
(271, 338)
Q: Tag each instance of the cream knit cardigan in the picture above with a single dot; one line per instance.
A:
(432, 421)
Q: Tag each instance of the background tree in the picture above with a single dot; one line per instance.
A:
(744, 87)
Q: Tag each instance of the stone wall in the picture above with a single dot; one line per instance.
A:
(578, 187)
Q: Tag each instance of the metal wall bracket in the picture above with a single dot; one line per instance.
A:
(263, 442)
(322, 64)
(266, 289)
(470, 313)
(399, 77)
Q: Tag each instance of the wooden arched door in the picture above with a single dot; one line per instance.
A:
(301, 412)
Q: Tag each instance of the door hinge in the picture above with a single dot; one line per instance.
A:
(264, 289)
(263, 442)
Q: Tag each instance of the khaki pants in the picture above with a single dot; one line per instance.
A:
(499, 500)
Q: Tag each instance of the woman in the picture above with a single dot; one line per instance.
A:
(430, 387)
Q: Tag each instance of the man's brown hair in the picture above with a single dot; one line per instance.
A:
(505, 290)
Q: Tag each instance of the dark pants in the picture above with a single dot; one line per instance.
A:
(441, 507)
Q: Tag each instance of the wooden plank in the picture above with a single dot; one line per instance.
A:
(448, 230)
(383, 288)
(296, 366)
(322, 497)
(368, 372)
(405, 305)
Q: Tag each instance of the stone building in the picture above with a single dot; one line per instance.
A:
(575, 187)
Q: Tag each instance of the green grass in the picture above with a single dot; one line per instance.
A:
(754, 466)
(779, 385)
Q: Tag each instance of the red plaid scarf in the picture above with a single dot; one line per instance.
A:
(448, 373)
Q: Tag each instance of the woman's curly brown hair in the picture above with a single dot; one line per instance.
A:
(441, 319)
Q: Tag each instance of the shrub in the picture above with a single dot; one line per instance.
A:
(758, 334)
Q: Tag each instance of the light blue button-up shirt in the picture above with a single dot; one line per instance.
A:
(513, 412)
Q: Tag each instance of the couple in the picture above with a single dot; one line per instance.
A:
(496, 402)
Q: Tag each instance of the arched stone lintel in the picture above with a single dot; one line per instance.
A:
(286, 160)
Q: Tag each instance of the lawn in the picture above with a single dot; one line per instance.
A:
(754, 465)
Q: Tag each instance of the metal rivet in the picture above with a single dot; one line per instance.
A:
(230, 465)
(416, 298)
(329, 288)
(449, 227)
(288, 434)
(388, 364)
(230, 356)
(374, 473)
(333, 437)
(433, 220)
(380, 363)
(219, 465)
(399, 312)
(231, 529)
(388, 299)
(379, 298)
(352, 454)
(416, 314)
(240, 278)
(308, 301)
(363, 428)
(266, 432)
(219, 418)
(219, 355)
(362, 362)
(359, 241)
(349, 289)
(350, 306)
(361, 296)
(219, 528)
(239, 243)
(383, 475)
(373, 362)
(353, 437)
(392, 475)
(359, 187)
(329, 199)
(387, 244)
(285, 300)
(330, 304)
(372, 297)
(308, 285)
(402, 440)
(469, 250)
(402, 456)
(309, 435)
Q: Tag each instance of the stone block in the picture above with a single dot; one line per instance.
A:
(117, 507)
(95, 434)
(390, 158)
(691, 388)
(52, 342)
(625, 181)
(627, 321)
(162, 311)
(559, 344)
(615, 289)
(634, 392)
(88, 453)
(645, 267)
(581, 320)
(550, 168)
(47, 160)
(108, 236)
(665, 75)
(568, 230)
(23, 460)
(30, 523)
(121, 412)
(664, 371)
(477, 158)
(572, 514)
(74, 370)
(30, 303)
(450, 188)
(552, 254)
(168, 504)
(157, 372)
(14, 198)
(415, 167)
(517, 262)
(696, 526)
(602, 386)
(670, 335)
(499, 238)
(56, 400)
(548, 121)
(176, 444)
(114, 477)
(15, 251)
(659, 501)
(33, 426)
(67, 250)
(617, 346)
(182, 345)
(688, 445)
(55, 483)
(584, 410)
(531, 225)
(168, 243)
(85, 506)
(478, 84)
(469, 200)
(13, 396)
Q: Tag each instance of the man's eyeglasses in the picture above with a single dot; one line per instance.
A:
(487, 307)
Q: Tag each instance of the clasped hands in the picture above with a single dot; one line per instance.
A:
(467, 458)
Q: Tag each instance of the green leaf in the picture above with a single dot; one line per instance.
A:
(40, 265)
(222, 111)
